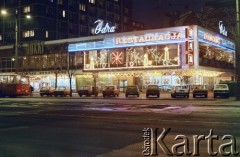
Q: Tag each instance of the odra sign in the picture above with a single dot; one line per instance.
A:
(101, 28)
(222, 28)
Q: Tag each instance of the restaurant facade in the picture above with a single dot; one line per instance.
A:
(185, 55)
(166, 57)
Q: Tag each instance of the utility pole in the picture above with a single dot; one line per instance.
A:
(237, 53)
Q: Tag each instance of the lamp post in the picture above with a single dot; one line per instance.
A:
(16, 45)
(4, 12)
(237, 55)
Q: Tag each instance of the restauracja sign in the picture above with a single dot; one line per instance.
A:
(148, 38)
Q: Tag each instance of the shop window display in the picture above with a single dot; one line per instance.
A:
(133, 57)
(215, 57)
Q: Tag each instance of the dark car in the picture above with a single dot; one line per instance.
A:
(62, 91)
(88, 91)
(153, 90)
(221, 90)
(199, 91)
(110, 90)
(48, 91)
(132, 90)
(180, 91)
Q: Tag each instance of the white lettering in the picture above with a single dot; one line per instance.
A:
(222, 29)
(100, 28)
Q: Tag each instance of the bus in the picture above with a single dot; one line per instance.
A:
(14, 85)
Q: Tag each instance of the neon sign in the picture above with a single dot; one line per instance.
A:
(101, 28)
(148, 38)
(211, 38)
(222, 28)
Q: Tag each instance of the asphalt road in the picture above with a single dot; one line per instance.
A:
(73, 127)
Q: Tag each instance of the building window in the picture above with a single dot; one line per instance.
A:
(46, 34)
(92, 1)
(59, 1)
(0, 37)
(64, 13)
(26, 9)
(82, 7)
(27, 34)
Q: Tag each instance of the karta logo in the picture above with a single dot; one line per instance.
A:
(155, 143)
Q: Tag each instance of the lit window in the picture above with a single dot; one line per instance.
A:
(63, 13)
(92, 1)
(46, 34)
(0, 37)
(60, 2)
(82, 7)
(27, 34)
(26, 9)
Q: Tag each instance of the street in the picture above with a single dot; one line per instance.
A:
(77, 127)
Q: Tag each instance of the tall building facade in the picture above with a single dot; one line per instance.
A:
(61, 19)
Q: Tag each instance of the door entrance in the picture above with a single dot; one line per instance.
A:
(122, 85)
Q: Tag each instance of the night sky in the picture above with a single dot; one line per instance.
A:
(154, 13)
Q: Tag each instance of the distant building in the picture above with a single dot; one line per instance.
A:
(61, 19)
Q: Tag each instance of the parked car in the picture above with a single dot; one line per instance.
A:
(182, 91)
(110, 90)
(153, 90)
(200, 90)
(48, 91)
(62, 91)
(132, 90)
(221, 90)
(87, 90)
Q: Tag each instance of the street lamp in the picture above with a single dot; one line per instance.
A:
(237, 60)
(4, 12)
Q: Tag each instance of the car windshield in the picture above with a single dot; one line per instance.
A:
(153, 87)
(221, 86)
(44, 88)
(131, 87)
(181, 87)
(85, 87)
(199, 87)
(110, 87)
(61, 88)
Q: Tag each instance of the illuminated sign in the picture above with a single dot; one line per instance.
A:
(148, 38)
(222, 28)
(211, 38)
(101, 28)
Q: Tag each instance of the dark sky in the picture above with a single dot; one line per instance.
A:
(153, 12)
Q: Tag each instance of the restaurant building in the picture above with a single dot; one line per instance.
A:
(166, 57)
